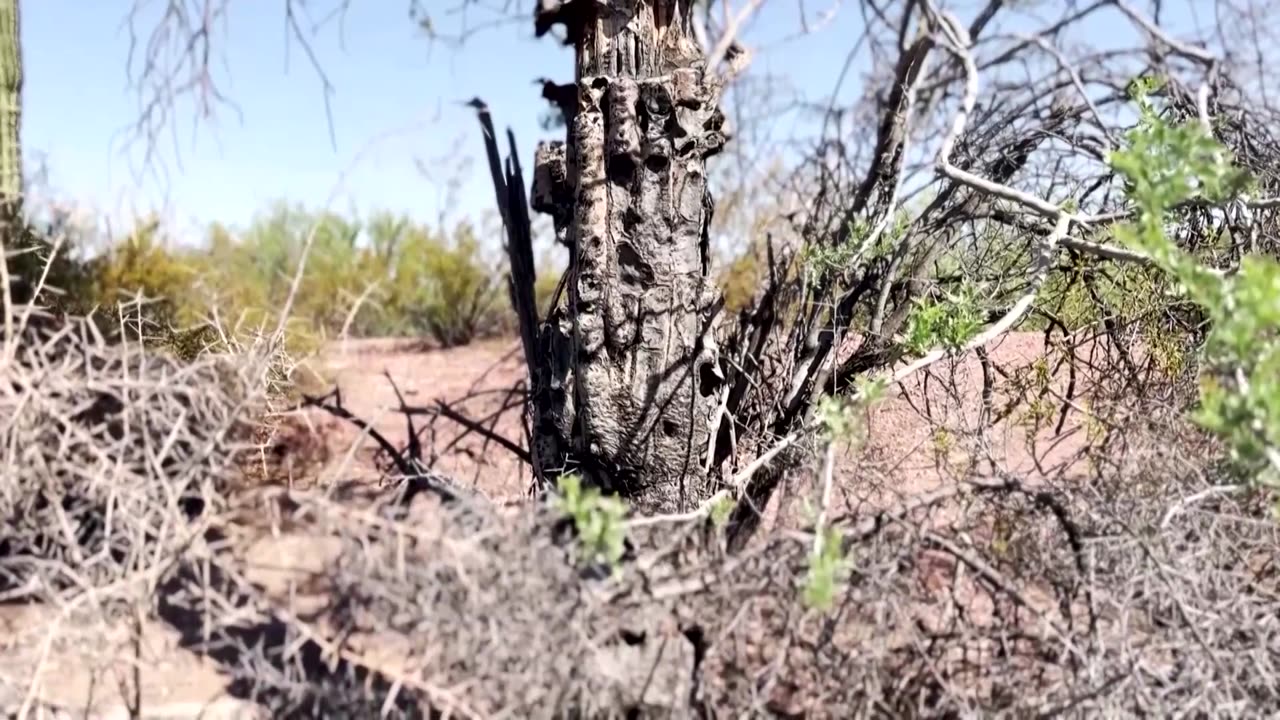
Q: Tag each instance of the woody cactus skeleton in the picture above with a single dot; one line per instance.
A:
(626, 374)
(628, 386)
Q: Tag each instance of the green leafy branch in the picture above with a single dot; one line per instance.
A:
(829, 567)
(598, 520)
(838, 420)
(821, 261)
(1166, 166)
(948, 322)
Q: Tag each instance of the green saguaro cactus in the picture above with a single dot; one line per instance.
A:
(13, 229)
(10, 105)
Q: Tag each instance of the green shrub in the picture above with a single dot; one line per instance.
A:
(598, 520)
(1165, 166)
(388, 276)
(140, 266)
(446, 287)
(948, 322)
(29, 252)
(739, 282)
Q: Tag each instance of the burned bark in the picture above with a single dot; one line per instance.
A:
(628, 194)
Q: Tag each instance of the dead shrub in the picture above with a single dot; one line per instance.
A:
(1142, 587)
(115, 455)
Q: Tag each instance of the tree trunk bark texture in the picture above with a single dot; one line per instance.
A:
(629, 400)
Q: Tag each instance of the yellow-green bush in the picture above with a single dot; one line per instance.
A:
(446, 287)
(384, 276)
(141, 267)
(388, 276)
(739, 281)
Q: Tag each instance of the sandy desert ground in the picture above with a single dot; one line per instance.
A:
(908, 453)
(478, 380)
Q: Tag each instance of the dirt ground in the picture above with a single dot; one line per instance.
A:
(481, 381)
(905, 454)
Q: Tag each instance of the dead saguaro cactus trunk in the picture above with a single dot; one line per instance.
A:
(635, 396)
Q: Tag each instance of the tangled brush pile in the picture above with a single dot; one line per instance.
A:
(116, 457)
(1141, 589)
(1133, 582)
(457, 608)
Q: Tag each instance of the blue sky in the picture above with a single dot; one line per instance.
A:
(395, 104)
(386, 78)
(395, 99)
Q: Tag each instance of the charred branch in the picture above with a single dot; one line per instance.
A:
(563, 97)
(572, 14)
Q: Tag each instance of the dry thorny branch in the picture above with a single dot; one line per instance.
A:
(1131, 588)
(175, 49)
(1123, 579)
(1019, 184)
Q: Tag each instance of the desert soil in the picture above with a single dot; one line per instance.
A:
(917, 436)
(905, 454)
